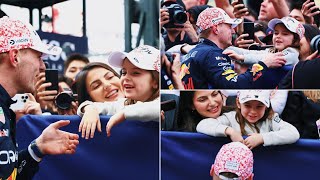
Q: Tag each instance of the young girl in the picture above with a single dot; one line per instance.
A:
(140, 83)
(253, 118)
(286, 39)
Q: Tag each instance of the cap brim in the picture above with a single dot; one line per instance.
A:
(116, 59)
(274, 22)
(254, 99)
(46, 49)
(234, 22)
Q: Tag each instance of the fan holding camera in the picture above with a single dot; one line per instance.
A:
(175, 22)
(54, 93)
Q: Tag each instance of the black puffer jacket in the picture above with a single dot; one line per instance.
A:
(302, 113)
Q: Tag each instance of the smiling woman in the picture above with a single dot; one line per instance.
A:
(98, 82)
(197, 105)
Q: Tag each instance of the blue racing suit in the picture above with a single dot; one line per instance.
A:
(10, 167)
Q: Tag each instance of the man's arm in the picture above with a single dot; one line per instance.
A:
(52, 141)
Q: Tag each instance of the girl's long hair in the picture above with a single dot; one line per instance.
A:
(242, 121)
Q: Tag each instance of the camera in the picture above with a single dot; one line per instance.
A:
(177, 16)
(169, 56)
(315, 43)
(64, 99)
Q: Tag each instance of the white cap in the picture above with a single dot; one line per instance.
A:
(18, 35)
(144, 57)
(290, 23)
(258, 95)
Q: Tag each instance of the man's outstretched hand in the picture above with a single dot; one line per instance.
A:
(54, 141)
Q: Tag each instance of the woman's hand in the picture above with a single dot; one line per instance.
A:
(89, 122)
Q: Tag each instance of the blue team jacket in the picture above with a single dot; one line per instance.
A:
(205, 67)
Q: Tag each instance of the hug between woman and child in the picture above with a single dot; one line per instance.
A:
(139, 81)
(253, 118)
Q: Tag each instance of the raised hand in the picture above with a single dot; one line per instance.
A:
(307, 11)
(89, 122)
(243, 43)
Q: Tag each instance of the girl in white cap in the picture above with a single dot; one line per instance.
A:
(287, 33)
(254, 118)
(140, 83)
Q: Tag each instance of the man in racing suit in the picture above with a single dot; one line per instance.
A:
(206, 67)
(20, 62)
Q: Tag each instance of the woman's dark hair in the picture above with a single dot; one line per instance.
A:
(310, 31)
(81, 77)
(188, 119)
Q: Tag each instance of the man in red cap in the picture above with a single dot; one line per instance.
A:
(20, 62)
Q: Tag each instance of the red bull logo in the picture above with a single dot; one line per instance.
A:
(256, 68)
(184, 70)
(229, 73)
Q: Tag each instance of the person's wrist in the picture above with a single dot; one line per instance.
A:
(228, 131)
(35, 151)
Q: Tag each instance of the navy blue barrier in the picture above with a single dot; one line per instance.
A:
(132, 151)
(189, 156)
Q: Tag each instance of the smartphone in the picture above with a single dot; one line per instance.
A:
(248, 28)
(168, 105)
(317, 3)
(20, 99)
(169, 56)
(240, 2)
(52, 76)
